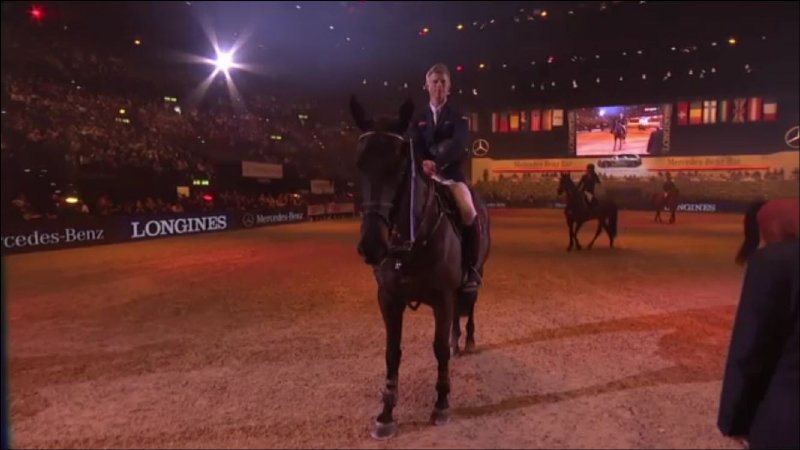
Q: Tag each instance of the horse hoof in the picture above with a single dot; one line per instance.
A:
(569, 249)
(383, 431)
(578, 248)
(469, 347)
(440, 417)
(589, 247)
(454, 351)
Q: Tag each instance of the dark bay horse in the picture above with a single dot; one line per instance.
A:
(667, 200)
(620, 133)
(578, 212)
(414, 248)
(770, 221)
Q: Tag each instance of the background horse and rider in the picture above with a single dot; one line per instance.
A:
(411, 236)
(620, 131)
(666, 200)
(578, 211)
(769, 221)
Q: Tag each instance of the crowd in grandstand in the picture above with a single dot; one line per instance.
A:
(75, 115)
(82, 114)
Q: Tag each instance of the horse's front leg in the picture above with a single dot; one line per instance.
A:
(443, 315)
(455, 334)
(392, 309)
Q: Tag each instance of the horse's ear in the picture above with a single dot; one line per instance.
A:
(359, 115)
(406, 111)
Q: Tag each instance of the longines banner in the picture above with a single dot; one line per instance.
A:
(633, 165)
(83, 231)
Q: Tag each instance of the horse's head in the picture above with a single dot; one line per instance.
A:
(565, 183)
(383, 162)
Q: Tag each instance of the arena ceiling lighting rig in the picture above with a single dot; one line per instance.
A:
(223, 63)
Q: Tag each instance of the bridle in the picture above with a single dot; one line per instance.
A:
(373, 208)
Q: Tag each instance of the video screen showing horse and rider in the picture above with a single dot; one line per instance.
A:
(610, 130)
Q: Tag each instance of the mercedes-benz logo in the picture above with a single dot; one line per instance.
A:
(480, 147)
(248, 220)
(792, 137)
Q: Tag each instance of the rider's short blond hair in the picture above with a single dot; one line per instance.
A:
(440, 69)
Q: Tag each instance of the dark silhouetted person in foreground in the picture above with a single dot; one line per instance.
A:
(761, 388)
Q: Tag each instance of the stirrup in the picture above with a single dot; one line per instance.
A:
(471, 284)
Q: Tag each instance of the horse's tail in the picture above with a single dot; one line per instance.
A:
(752, 234)
(612, 221)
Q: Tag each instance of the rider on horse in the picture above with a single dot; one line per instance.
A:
(619, 130)
(669, 187)
(587, 183)
(440, 135)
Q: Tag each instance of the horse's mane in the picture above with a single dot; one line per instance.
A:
(386, 124)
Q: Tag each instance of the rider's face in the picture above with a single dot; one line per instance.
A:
(438, 85)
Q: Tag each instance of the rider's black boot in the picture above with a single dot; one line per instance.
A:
(471, 252)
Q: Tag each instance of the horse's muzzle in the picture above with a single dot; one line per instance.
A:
(373, 254)
(374, 243)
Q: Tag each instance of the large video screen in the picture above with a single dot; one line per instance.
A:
(614, 130)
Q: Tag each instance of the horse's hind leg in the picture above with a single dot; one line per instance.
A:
(443, 315)
(392, 310)
(570, 224)
(575, 235)
(596, 233)
(469, 347)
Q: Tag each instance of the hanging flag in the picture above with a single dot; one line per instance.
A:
(558, 118)
(739, 110)
(523, 121)
(495, 123)
(710, 111)
(770, 111)
(696, 113)
(503, 123)
(754, 109)
(513, 123)
(724, 111)
(474, 122)
(547, 119)
(683, 113)
(536, 120)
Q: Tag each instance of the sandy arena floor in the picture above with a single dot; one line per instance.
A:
(272, 338)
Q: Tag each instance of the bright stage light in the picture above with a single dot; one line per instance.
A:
(224, 61)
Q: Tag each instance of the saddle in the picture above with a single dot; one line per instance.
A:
(591, 204)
